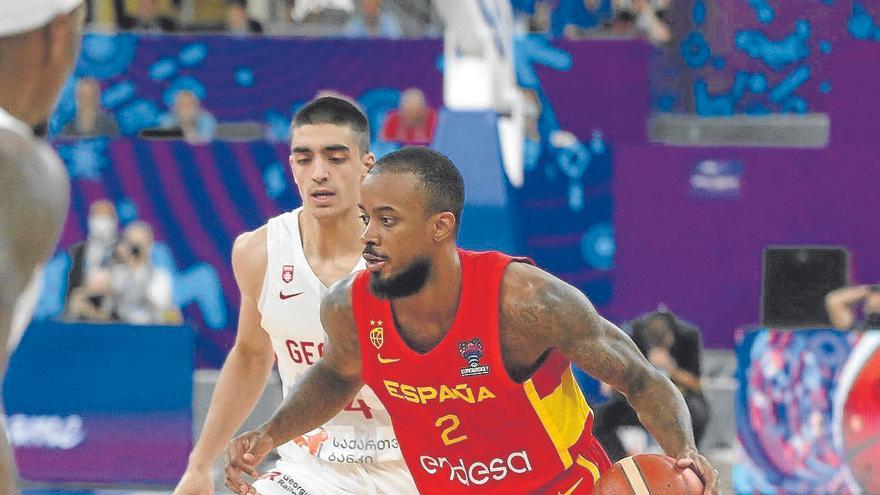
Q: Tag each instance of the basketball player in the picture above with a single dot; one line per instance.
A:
(470, 354)
(39, 41)
(282, 269)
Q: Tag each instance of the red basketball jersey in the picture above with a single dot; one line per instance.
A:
(464, 426)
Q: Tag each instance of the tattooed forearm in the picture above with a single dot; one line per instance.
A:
(315, 400)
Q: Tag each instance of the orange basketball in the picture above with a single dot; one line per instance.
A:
(648, 474)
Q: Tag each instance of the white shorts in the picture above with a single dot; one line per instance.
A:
(317, 477)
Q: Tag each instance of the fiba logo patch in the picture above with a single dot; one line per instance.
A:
(377, 334)
(472, 351)
(287, 273)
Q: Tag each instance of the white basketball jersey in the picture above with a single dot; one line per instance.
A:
(289, 306)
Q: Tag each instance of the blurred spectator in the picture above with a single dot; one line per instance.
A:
(590, 18)
(841, 306)
(95, 254)
(91, 119)
(142, 292)
(641, 17)
(650, 21)
(237, 20)
(93, 301)
(532, 116)
(413, 123)
(539, 20)
(673, 347)
(532, 113)
(146, 18)
(573, 17)
(373, 22)
(322, 11)
(196, 124)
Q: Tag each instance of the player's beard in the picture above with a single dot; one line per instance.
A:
(406, 283)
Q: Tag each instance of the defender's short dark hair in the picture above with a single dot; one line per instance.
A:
(336, 111)
(440, 178)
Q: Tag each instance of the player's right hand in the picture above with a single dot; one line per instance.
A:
(195, 481)
(243, 454)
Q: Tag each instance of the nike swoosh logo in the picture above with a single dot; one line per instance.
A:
(572, 489)
(284, 296)
(387, 360)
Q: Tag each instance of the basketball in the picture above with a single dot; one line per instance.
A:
(648, 474)
(860, 429)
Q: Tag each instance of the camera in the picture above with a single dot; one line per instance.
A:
(135, 250)
(96, 300)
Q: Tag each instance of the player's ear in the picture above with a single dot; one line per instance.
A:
(445, 224)
(290, 160)
(59, 33)
(369, 160)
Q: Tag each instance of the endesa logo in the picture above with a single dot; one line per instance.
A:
(478, 473)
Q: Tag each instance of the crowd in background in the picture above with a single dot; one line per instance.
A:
(573, 19)
(577, 19)
(352, 18)
(412, 123)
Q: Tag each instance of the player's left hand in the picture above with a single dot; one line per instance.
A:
(700, 465)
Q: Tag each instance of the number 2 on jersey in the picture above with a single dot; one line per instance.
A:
(454, 424)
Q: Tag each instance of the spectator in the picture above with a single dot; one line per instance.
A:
(95, 255)
(649, 21)
(91, 120)
(413, 123)
(146, 18)
(641, 17)
(539, 18)
(532, 117)
(323, 11)
(142, 292)
(196, 124)
(373, 22)
(841, 304)
(93, 301)
(672, 346)
(237, 20)
(574, 17)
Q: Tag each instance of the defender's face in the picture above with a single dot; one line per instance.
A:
(328, 167)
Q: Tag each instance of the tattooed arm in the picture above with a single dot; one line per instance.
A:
(322, 392)
(541, 312)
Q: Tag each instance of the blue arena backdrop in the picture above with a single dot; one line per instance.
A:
(198, 198)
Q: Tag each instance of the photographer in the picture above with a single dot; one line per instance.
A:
(88, 288)
(92, 301)
(674, 347)
(841, 304)
(143, 292)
